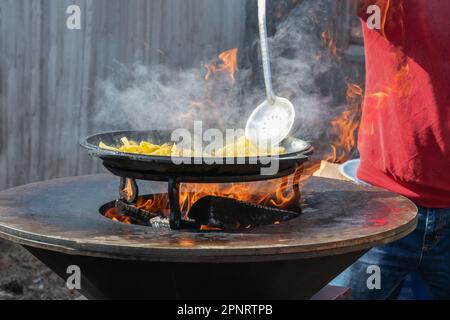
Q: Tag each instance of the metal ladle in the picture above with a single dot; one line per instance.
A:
(271, 122)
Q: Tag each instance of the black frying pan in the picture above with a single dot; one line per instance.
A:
(199, 170)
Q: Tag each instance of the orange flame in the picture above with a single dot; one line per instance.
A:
(128, 189)
(279, 193)
(329, 43)
(205, 107)
(229, 64)
(399, 87)
(387, 5)
(114, 215)
(159, 202)
(344, 128)
(275, 193)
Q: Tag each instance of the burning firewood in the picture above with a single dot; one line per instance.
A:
(231, 214)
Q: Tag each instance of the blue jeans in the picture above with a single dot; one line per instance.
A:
(426, 250)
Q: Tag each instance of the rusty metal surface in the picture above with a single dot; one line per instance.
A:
(339, 217)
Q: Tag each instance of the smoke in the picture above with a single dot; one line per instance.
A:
(301, 67)
(140, 97)
(159, 97)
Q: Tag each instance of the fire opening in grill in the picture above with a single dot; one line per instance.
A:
(209, 206)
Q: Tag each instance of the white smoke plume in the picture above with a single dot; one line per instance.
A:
(158, 97)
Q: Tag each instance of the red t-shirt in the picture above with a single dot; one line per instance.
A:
(404, 138)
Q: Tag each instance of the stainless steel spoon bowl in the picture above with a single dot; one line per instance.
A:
(272, 121)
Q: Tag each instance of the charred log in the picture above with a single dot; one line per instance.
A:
(231, 214)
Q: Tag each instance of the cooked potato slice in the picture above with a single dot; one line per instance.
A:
(243, 147)
(106, 147)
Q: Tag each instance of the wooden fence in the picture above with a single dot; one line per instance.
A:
(48, 72)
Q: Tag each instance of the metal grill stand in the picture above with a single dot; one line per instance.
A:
(176, 220)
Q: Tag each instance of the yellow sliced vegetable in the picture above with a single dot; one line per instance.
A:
(106, 147)
(243, 147)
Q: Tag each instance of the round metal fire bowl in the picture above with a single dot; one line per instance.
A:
(338, 217)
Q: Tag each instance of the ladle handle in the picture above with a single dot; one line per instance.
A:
(265, 50)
